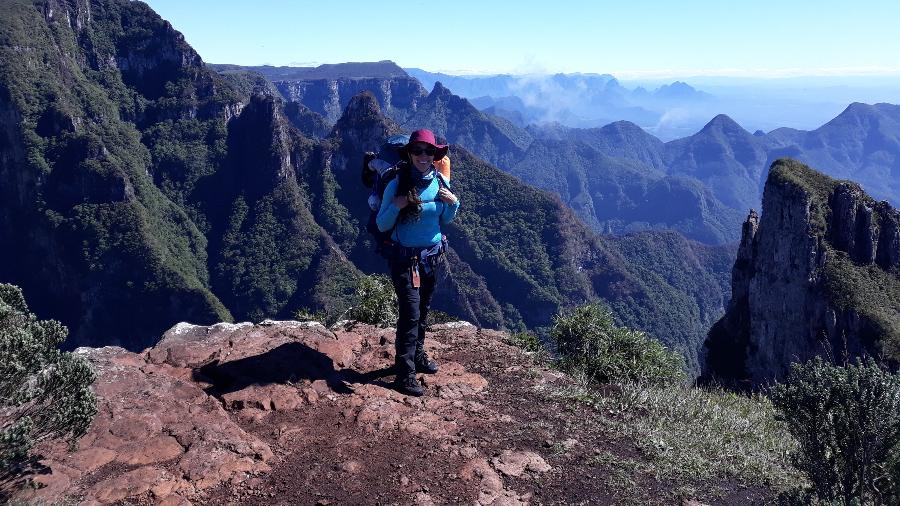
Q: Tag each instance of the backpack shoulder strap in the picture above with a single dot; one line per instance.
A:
(442, 181)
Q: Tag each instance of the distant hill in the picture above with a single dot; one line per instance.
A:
(679, 91)
(618, 195)
(576, 100)
(862, 144)
(505, 85)
(327, 89)
(728, 159)
(385, 69)
(607, 176)
(623, 139)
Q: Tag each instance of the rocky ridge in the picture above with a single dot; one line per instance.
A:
(816, 274)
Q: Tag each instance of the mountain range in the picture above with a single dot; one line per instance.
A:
(141, 188)
(701, 185)
(135, 176)
(576, 100)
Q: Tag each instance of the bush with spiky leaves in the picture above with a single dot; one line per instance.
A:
(847, 421)
(44, 392)
(375, 301)
(589, 342)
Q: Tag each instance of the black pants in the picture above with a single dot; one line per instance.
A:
(414, 304)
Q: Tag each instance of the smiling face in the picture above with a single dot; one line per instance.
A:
(421, 155)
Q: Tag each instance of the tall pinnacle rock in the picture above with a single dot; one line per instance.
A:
(816, 274)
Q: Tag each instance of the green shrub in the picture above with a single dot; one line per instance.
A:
(588, 341)
(44, 392)
(436, 317)
(528, 341)
(306, 315)
(847, 422)
(375, 301)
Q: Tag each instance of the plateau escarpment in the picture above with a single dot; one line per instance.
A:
(327, 89)
(90, 235)
(816, 274)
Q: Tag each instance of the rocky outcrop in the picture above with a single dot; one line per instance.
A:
(212, 412)
(867, 231)
(806, 278)
(157, 434)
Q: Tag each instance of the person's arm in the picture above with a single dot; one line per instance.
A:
(387, 214)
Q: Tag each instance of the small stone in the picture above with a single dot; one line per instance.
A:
(468, 452)
(423, 499)
(404, 481)
(351, 466)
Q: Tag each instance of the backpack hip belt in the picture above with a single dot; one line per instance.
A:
(426, 257)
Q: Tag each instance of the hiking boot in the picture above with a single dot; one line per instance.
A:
(425, 365)
(409, 385)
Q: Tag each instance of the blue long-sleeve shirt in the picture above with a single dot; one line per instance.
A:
(425, 231)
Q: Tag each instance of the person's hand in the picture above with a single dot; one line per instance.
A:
(447, 197)
(401, 202)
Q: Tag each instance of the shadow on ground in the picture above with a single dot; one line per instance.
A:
(288, 363)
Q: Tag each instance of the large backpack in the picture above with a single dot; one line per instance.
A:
(378, 170)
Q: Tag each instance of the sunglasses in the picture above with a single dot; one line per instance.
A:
(419, 151)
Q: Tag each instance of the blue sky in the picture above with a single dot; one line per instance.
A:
(636, 39)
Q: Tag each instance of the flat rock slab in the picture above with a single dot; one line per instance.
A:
(155, 434)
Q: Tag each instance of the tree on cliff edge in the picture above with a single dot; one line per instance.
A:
(44, 392)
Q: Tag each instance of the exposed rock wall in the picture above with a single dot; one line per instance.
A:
(396, 97)
(795, 288)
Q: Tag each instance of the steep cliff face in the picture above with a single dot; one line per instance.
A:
(269, 252)
(398, 97)
(817, 274)
(140, 188)
(94, 238)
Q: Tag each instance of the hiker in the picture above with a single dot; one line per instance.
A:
(416, 203)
